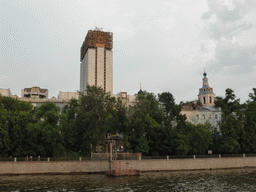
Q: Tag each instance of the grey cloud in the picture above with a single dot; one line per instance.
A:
(237, 58)
(218, 29)
(202, 47)
(228, 22)
(240, 60)
(229, 15)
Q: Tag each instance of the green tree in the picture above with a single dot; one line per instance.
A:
(145, 118)
(171, 110)
(70, 129)
(180, 141)
(51, 141)
(200, 138)
(5, 141)
(48, 113)
(248, 141)
(15, 116)
(229, 104)
(231, 125)
(94, 114)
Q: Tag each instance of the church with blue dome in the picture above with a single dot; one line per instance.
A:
(205, 113)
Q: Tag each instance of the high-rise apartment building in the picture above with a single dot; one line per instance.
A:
(97, 60)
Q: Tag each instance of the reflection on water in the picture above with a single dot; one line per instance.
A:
(209, 180)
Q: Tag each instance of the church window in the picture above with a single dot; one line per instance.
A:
(204, 100)
(204, 89)
(210, 99)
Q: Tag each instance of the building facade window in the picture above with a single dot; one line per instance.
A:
(197, 116)
(216, 116)
(203, 116)
(210, 116)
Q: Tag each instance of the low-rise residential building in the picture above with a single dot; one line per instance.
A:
(38, 96)
(34, 93)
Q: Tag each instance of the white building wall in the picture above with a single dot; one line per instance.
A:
(82, 73)
(5, 92)
(202, 117)
(90, 67)
(100, 67)
(68, 95)
(82, 76)
(109, 71)
(87, 73)
(22, 93)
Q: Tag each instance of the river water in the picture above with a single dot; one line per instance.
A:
(208, 180)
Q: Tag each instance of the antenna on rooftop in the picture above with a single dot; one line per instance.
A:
(98, 29)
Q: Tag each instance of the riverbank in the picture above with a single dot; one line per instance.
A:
(89, 166)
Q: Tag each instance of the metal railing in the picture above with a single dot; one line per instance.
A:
(123, 157)
(118, 156)
(199, 156)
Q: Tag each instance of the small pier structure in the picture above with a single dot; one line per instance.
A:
(117, 168)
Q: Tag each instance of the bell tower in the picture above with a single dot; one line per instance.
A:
(206, 95)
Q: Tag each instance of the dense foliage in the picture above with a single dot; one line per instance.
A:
(153, 126)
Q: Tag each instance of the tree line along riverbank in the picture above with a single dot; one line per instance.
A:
(154, 126)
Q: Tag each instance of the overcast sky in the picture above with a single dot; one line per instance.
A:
(164, 45)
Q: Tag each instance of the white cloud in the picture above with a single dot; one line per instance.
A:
(122, 33)
(166, 23)
(132, 14)
(3, 77)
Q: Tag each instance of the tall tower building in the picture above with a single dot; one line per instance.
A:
(206, 95)
(97, 61)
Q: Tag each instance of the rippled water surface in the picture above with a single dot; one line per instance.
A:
(210, 180)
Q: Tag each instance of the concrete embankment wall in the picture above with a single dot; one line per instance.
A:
(62, 167)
